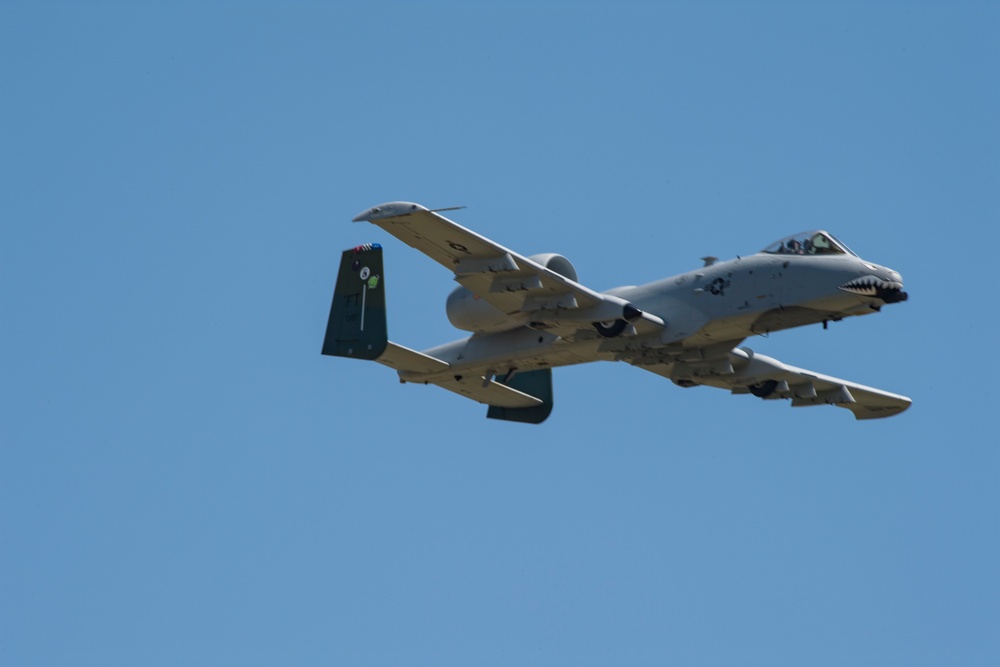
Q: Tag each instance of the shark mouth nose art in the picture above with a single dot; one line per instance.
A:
(887, 290)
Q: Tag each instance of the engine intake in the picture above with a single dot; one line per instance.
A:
(556, 263)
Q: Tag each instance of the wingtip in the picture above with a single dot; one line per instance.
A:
(387, 210)
(862, 413)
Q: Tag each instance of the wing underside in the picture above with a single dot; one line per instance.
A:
(742, 371)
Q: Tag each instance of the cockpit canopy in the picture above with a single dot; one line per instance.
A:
(816, 242)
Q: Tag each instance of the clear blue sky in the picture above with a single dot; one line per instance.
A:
(185, 480)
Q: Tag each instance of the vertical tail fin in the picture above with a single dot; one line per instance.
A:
(534, 383)
(357, 326)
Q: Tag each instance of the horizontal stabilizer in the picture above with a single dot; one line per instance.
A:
(405, 360)
(490, 392)
(419, 368)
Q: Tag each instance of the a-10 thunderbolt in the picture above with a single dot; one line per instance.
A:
(528, 315)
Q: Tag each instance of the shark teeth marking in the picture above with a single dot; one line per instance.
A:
(871, 286)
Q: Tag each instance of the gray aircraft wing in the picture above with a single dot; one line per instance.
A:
(743, 371)
(514, 284)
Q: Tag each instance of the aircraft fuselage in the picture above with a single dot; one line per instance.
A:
(721, 304)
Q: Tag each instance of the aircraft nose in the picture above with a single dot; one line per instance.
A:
(895, 295)
(889, 289)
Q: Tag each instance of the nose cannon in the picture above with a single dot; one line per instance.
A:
(893, 295)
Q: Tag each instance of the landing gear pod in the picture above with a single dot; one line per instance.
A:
(612, 328)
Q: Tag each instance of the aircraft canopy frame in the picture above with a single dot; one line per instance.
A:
(814, 242)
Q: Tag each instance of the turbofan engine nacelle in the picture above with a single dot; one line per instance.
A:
(468, 312)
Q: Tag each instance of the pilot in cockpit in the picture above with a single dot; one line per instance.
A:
(820, 245)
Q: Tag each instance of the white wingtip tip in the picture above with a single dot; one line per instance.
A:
(388, 210)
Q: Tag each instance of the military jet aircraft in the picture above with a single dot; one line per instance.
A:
(528, 315)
